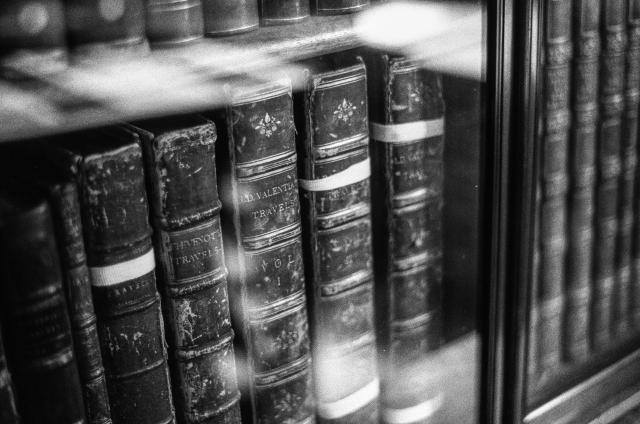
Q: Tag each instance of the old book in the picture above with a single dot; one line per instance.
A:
(183, 195)
(261, 218)
(633, 52)
(553, 180)
(174, 22)
(37, 328)
(108, 167)
(334, 169)
(8, 411)
(582, 153)
(278, 12)
(227, 17)
(608, 164)
(32, 35)
(337, 7)
(406, 113)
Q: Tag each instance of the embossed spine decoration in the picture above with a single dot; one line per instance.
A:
(8, 411)
(227, 17)
(37, 327)
(407, 132)
(173, 22)
(553, 184)
(584, 96)
(333, 144)
(608, 165)
(337, 7)
(109, 170)
(261, 217)
(181, 176)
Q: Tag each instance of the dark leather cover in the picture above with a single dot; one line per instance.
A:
(337, 7)
(333, 134)
(261, 217)
(278, 12)
(37, 327)
(171, 21)
(109, 169)
(407, 182)
(8, 411)
(632, 59)
(226, 17)
(584, 95)
(185, 210)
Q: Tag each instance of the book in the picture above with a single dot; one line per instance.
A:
(32, 36)
(108, 168)
(37, 329)
(263, 247)
(227, 17)
(174, 22)
(337, 7)
(334, 169)
(280, 12)
(406, 114)
(183, 195)
(608, 169)
(633, 50)
(553, 180)
(8, 411)
(584, 109)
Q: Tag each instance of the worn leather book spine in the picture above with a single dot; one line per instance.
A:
(338, 7)
(334, 168)
(117, 235)
(185, 210)
(582, 153)
(227, 17)
(261, 214)
(174, 21)
(279, 12)
(608, 164)
(37, 327)
(554, 181)
(407, 133)
(633, 60)
(8, 410)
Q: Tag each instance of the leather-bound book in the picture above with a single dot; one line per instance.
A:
(334, 169)
(8, 411)
(608, 164)
(338, 7)
(36, 322)
(279, 12)
(633, 49)
(108, 167)
(227, 17)
(261, 217)
(584, 108)
(32, 35)
(185, 210)
(553, 180)
(406, 113)
(174, 22)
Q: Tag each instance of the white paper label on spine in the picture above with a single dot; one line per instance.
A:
(353, 174)
(103, 276)
(414, 413)
(351, 403)
(409, 131)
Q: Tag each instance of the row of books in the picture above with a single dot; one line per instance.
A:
(218, 281)
(587, 255)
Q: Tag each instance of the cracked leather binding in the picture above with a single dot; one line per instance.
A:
(279, 12)
(183, 195)
(227, 17)
(109, 170)
(8, 411)
(261, 217)
(406, 116)
(37, 327)
(333, 144)
(174, 22)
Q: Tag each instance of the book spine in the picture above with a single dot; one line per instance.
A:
(174, 22)
(227, 17)
(334, 181)
(281, 12)
(37, 327)
(407, 163)
(584, 98)
(65, 209)
(265, 255)
(192, 273)
(554, 177)
(612, 63)
(122, 267)
(338, 7)
(633, 61)
(8, 411)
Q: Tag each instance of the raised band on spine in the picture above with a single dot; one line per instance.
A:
(351, 403)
